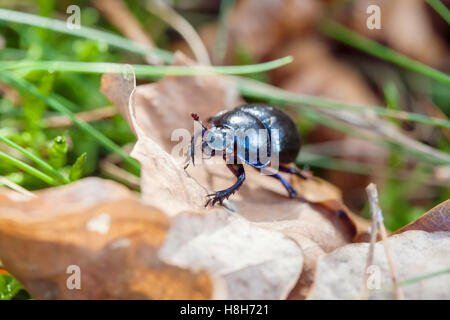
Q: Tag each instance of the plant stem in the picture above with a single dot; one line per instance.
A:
(142, 70)
(423, 277)
(441, 9)
(85, 32)
(29, 169)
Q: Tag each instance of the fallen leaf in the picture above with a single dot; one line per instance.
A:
(252, 263)
(415, 254)
(100, 227)
(436, 219)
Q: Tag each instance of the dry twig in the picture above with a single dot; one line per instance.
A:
(87, 116)
(377, 223)
(182, 26)
(16, 187)
(120, 174)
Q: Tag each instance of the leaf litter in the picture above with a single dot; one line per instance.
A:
(164, 244)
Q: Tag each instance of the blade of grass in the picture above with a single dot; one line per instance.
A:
(351, 38)
(28, 169)
(256, 89)
(424, 277)
(441, 9)
(23, 85)
(85, 32)
(141, 70)
(319, 117)
(35, 159)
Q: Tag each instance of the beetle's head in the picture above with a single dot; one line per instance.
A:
(218, 139)
(214, 139)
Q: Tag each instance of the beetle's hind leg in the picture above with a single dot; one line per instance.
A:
(239, 172)
(295, 171)
(290, 189)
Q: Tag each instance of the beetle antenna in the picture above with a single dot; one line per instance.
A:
(197, 118)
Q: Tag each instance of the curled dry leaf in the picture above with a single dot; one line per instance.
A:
(165, 106)
(339, 275)
(100, 227)
(436, 219)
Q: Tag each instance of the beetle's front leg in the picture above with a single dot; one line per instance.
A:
(191, 152)
(239, 172)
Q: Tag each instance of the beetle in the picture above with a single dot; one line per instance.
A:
(241, 134)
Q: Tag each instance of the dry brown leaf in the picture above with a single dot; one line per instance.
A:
(101, 227)
(115, 240)
(436, 219)
(339, 275)
(251, 262)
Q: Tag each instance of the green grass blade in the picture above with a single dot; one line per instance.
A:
(142, 70)
(28, 169)
(35, 159)
(424, 277)
(23, 85)
(255, 89)
(351, 38)
(441, 9)
(85, 32)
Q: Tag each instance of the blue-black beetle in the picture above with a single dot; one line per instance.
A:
(237, 135)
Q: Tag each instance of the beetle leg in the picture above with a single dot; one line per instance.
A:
(191, 152)
(290, 189)
(239, 172)
(295, 171)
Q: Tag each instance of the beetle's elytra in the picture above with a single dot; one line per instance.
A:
(237, 134)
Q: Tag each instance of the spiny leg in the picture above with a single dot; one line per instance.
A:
(239, 172)
(290, 189)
